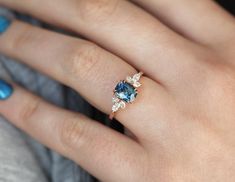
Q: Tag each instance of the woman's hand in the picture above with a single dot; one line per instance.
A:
(183, 120)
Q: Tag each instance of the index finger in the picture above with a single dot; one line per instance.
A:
(119, 26)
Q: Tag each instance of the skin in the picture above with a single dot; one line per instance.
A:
(182, 123)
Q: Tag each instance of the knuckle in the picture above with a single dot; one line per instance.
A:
(83, 60)
(29, 109)
(97, 10)
(72, 133)
(25, 36)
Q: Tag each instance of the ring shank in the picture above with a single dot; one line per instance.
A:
(111, 116)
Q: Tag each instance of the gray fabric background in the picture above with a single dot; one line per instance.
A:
(21, 158)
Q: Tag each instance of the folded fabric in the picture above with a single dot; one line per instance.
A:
(22, 158)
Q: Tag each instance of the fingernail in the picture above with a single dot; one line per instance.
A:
(6, 90)
(4, 24)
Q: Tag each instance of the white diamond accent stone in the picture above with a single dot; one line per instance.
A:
(115, 107)
(134, 80)
(118, 105)
(122, 104)
(137, 84)
(115, 100)
(129, 80)
(136, 77)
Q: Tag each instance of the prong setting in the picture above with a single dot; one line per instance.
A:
(125, 92)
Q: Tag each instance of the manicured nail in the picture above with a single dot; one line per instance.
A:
(6, 90)
(4, 24)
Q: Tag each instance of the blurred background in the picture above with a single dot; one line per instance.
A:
(228, 4)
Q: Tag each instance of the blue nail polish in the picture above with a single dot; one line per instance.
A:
(4, 24)
(6, 90)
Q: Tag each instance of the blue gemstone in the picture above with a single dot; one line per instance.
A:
(6, 90)
(4, 24)
(125, 92)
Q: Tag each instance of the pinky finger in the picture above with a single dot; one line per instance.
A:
(106, 154)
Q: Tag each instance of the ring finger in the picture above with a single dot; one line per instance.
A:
(89, 69)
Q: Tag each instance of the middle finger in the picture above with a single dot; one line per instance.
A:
(121, 27)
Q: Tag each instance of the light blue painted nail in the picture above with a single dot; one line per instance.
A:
(4, 24)
(6, 90)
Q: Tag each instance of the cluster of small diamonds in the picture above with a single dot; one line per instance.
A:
(117, 103)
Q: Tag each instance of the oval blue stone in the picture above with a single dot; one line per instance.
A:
(125, 91)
